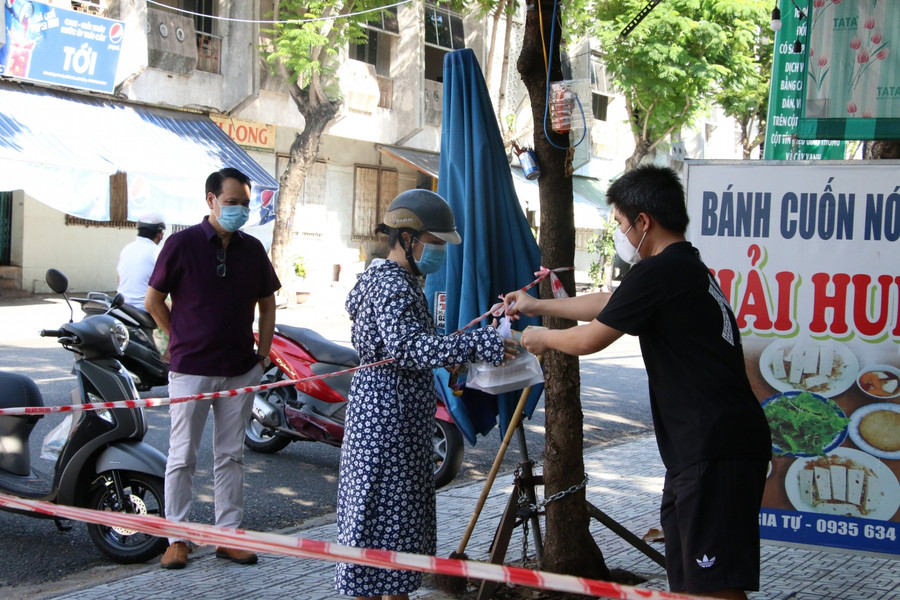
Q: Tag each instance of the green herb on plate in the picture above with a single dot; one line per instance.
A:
(804, 423)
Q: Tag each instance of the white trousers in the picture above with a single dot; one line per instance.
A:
(230, 416)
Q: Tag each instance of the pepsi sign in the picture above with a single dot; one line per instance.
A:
(58, 46)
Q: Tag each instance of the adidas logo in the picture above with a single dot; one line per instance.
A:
(705, 562)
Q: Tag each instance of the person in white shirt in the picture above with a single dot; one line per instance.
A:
(137, 259)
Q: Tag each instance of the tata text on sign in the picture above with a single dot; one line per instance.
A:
(806, 254)
(59, 46)
(249, 134)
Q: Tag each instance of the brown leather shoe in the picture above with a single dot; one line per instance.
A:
(175, 556)
(241, 557)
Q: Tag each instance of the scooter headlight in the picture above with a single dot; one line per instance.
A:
(104, 413)
(119, 336)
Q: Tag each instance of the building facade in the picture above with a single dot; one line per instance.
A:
(186, 67)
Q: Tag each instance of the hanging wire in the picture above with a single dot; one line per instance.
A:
(287, 22)
(547, 86)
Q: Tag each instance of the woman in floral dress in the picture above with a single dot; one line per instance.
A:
(386, 497)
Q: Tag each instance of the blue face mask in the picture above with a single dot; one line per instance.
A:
(232, 217)
(432, 258)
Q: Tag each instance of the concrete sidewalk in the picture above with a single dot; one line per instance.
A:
(625, 482)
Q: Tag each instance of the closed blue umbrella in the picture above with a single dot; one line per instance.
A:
(498, 253)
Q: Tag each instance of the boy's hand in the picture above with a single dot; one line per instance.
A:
(519, 303)
(535, 340)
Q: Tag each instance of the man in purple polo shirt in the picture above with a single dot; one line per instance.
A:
(216, 277)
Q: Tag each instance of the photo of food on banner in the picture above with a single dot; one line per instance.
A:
(835, 429)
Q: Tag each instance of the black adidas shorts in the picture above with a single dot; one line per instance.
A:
(710, 519)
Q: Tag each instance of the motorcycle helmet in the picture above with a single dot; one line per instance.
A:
(423, 211)
(151, 222)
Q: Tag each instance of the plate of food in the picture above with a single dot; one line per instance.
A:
(881, 382)
(875, 429)
(822, 367)
(804, 424)
(845, 482)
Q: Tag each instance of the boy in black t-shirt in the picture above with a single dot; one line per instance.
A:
(712, 434)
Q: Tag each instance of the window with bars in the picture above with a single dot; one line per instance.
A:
(443, 32)
(203, 13)
(601, 89)
(310, 212)
(91, 7)
(373, 190)
(314, 191)
(443, 28)
(375, 49)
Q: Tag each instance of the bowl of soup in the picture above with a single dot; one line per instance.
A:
(881, 382)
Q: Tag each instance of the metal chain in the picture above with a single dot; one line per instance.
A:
(537, 507)
(524, 543)
(523, 500)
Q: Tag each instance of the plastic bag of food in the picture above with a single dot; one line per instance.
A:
(516, 374)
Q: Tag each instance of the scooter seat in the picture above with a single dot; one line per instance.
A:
(17, 390)
(141, 316)
(324, 350)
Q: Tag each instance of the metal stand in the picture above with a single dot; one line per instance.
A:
(514, 516)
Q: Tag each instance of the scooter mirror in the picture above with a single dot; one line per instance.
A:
(118, 301)
(58, 282)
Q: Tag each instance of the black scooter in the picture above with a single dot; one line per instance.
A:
(103, 463)
(142, 357)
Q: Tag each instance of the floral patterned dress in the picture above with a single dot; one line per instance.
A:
(386, 497)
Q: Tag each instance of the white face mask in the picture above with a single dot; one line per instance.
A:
(624, 248)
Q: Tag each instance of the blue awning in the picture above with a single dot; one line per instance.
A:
(61, 148)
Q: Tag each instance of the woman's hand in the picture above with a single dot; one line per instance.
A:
(510, 350)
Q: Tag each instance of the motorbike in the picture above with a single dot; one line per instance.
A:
(102, 462)
(315, 410)
(142, 357)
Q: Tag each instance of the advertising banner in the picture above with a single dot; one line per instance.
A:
(63, 47)
(251, 135)
(852, 88)
(786, 97)
(806, 255)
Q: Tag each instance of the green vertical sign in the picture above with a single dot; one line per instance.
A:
(786, 95)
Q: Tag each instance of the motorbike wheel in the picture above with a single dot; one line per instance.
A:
(255, 436)
(448, 452)
(258, 440)
(126, 546)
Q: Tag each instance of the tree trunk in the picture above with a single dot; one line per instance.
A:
(504, 74)
(882, 149)
(304, 151)
(641, 144)
(568, 546)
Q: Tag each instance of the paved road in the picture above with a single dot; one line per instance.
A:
(282, 490)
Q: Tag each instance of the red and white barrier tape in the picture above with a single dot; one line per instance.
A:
(320, 550)
(497, 309)
(147, 402)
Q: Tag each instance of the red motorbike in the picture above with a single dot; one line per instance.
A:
(313, 411)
